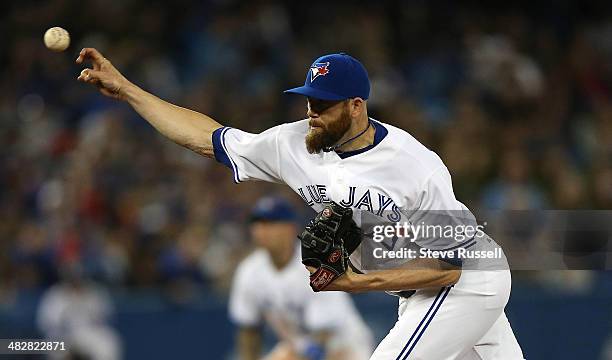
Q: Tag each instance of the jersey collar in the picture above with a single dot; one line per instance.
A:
(380, 133)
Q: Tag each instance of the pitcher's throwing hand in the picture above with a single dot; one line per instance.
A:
(103, 74)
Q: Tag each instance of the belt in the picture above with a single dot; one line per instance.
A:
(406, 293)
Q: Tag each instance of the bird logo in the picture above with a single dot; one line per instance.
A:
(318, 69)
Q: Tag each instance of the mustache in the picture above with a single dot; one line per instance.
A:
(313, 123)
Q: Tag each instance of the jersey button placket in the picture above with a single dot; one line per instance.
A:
(336, 176)
(340, 174)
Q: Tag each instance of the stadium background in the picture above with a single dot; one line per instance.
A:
(515, 98)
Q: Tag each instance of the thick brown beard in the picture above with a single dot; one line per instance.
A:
(319, 138)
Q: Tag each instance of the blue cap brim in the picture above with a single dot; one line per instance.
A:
(315, 93)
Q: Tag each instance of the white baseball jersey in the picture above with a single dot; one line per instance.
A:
(395, 179)
(396, 173)
(282, 298)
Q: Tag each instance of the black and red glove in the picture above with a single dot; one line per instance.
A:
(327, 242)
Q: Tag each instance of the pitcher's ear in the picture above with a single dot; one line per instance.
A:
(357, 106)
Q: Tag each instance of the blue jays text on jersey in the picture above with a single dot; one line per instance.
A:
(355, 198)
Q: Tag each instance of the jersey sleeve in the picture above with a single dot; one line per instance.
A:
(249, 156)
(448, 222)
(438, 194)
(243, 308)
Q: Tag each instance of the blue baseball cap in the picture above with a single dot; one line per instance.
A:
(272, 208)
(335, 77)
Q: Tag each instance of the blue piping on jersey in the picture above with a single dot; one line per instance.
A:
(220, 151)
(455, 260)
(462, 244)
(222, 156)
(379, 135)
(469, 246)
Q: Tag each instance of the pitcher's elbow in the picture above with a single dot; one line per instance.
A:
(451, 277)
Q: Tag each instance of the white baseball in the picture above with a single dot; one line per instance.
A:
(57, 39)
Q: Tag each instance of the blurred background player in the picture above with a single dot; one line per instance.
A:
(78, 312)
(271, 287)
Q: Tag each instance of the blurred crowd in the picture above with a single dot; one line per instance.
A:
(516, 101)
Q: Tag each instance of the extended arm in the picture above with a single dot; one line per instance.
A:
(185, 127)
(418, 274)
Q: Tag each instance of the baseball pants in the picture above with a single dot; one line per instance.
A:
(465, 321)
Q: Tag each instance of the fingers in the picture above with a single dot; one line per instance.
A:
(91, 54)
(84, 75)
(90, 75)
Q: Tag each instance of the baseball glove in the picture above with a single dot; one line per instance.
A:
(327, 241)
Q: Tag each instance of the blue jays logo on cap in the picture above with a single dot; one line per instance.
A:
(318, 69)
(338, 77)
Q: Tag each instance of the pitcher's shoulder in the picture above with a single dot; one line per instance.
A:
(412, 151)
(299, 127)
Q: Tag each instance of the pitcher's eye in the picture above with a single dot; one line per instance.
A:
(319, 106)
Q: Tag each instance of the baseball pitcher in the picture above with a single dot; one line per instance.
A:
(348, 167)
